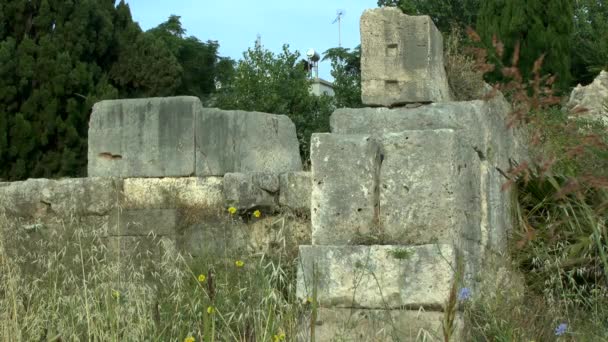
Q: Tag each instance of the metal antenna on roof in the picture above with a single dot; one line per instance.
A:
(340, 13)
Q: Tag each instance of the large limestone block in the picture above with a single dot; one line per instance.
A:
(38, 198)
(295, 190)
(251, 190)
(377, 277)
(592, 97)
(344, 197)
(205, 194)
(429, 188)
(482, 127)
(401, 59)
(358, 325)
(238, 141)
(152, 137)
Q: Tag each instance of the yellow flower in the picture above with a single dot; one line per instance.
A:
(210, 310)
(115, 294)
(279, 337)
(201, 278)
(232, 210)
(257, 213)
(239, 263)
(189, 339)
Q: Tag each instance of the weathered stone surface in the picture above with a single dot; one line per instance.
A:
(267, 181)
(158, 193)
(142, 222)
(295, 190)
(344, 197)
(243, 192)
(401, 59)
(76, 196)
(358, 325)
(482, 128)
(592, 97)
(151, 137)
(377, 277)
(426, 199)
(238, 141)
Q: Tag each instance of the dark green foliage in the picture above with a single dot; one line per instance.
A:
(590, 42)
(540, 28)
(445, 14)
(278, 84)
(346, 70)
(57, 58)
(198, 60)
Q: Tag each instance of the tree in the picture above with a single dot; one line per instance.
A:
(198, 60)
(346, 71)
(57, 58)
(265, 82)
(462, 13)
(540, 27)
(590, 43)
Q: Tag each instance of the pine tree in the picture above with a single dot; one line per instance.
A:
(540, 27)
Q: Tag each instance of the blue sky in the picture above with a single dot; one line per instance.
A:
(236, 23)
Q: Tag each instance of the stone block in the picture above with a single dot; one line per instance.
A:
(295, 190)
(377, 277)
(401, 59)
(481, 127)
(238, 141)
(592, 98)
(152, 137)
(38, 198)
(142, 222)
(205, 194)
(358, 325)
(344, 196)
(242, 191)
(429, 188)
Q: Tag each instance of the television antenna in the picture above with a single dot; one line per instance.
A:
(339, 14)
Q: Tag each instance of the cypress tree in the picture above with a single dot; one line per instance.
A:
(55, 63)
(541, 27)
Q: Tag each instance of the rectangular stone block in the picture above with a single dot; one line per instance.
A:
(401, 59)
(239, 141)
(429, 188)
(344, 196)
(295, 190)
(167, 193)
(39, 198)
(142, 222)
(377, 277)
(151, 137)
(245, 191)
(359, 325)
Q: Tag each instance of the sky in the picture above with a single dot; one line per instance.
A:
(235, 24)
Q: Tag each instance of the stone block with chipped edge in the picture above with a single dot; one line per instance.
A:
(344, 196)
(401, 59)
(149, 137)
(377, 277)
(243, 192)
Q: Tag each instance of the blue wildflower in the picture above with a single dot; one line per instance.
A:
(561, 329)
(464, 294)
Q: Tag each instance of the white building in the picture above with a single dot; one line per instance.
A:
(320, 86)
